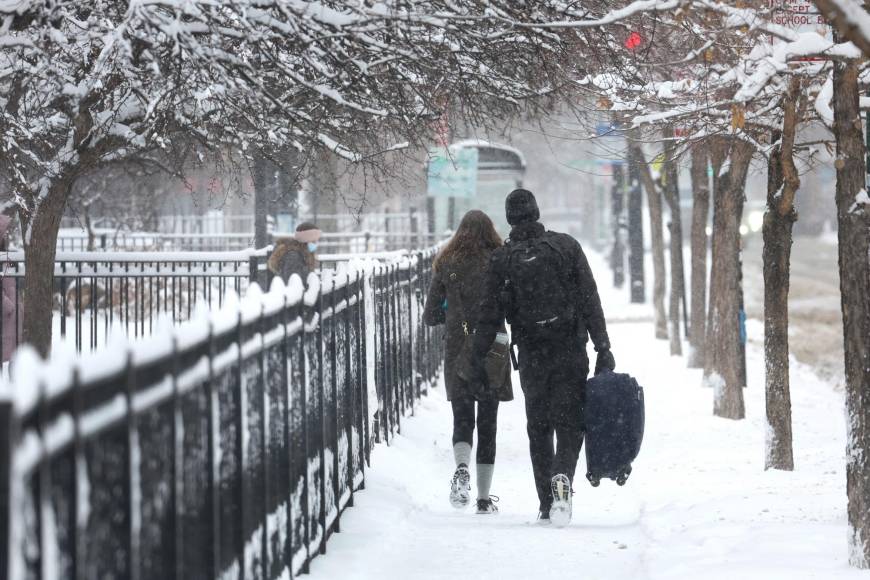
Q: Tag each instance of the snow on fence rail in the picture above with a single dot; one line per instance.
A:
(227, 448)
(334, 242)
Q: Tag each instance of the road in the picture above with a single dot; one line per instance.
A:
(816, 323)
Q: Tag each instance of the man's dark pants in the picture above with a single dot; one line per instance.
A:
(553, 377)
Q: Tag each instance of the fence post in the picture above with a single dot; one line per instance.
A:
(214, 422)
(264, 441)
(8, 429)
(349, 390)
(364, 379)
(413, 346)
(333, 363)
(303, 404)
(398, 366)
(78, 527)
(321, 423)
(241, 426)
(288, 435)
(133, 472)
(382, 319)
(253, 269)
(176, 535)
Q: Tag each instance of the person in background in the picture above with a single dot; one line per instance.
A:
(296, 255)
(12, 311)
(455, 290)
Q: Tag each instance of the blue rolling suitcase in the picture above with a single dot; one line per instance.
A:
(614, 414)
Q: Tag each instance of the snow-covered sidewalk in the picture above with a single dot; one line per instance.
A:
(698, 504)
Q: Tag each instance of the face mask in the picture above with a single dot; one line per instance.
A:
(312, 247)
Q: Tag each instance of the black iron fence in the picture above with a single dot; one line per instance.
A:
(95, 292)
(228, 448)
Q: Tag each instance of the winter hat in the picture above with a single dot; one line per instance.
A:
(307, 233)
(521, 207)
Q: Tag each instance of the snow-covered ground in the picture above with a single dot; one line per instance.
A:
(698, 505)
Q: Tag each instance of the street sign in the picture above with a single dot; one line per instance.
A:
(801, 16)
(452, 172)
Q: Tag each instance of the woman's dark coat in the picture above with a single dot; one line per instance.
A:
(292, 257)
(460, 284)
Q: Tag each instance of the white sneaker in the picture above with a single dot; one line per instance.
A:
(487, 506)
(560, 512)
(460, 488)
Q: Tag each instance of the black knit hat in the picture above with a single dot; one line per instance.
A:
(521, 207)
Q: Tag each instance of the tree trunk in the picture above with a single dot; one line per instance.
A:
(654, 200)
(263, 174)
(700, 214)
(323, 178)
(723, 327)
(675, 228)
(719, 152)
(40, 245)
(782, 185)
(853, 218)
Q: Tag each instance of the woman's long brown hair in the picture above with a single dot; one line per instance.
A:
(475, 238)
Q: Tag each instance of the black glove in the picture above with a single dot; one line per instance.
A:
(604, 361)
(478, 380)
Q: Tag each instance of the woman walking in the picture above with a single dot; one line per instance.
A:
(460, 269)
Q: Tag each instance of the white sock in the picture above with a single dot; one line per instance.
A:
(484, 479)
(462, 453)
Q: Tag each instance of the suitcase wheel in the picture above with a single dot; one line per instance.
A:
(623, 477)
(595, 481)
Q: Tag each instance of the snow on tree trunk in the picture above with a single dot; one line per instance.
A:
(700, 212)
(782, 185)
(654, 202)
(853, 218)
(40, 245)
(723, 358)
(675, 227)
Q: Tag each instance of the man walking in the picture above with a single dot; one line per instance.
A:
(541, 282)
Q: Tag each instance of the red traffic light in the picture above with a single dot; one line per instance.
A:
(633, 41)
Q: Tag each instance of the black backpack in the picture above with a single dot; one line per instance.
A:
(542, 302)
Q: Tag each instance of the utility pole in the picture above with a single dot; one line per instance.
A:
(617, 197)
(635, 233)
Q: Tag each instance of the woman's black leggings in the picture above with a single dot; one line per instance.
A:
(487, 424)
